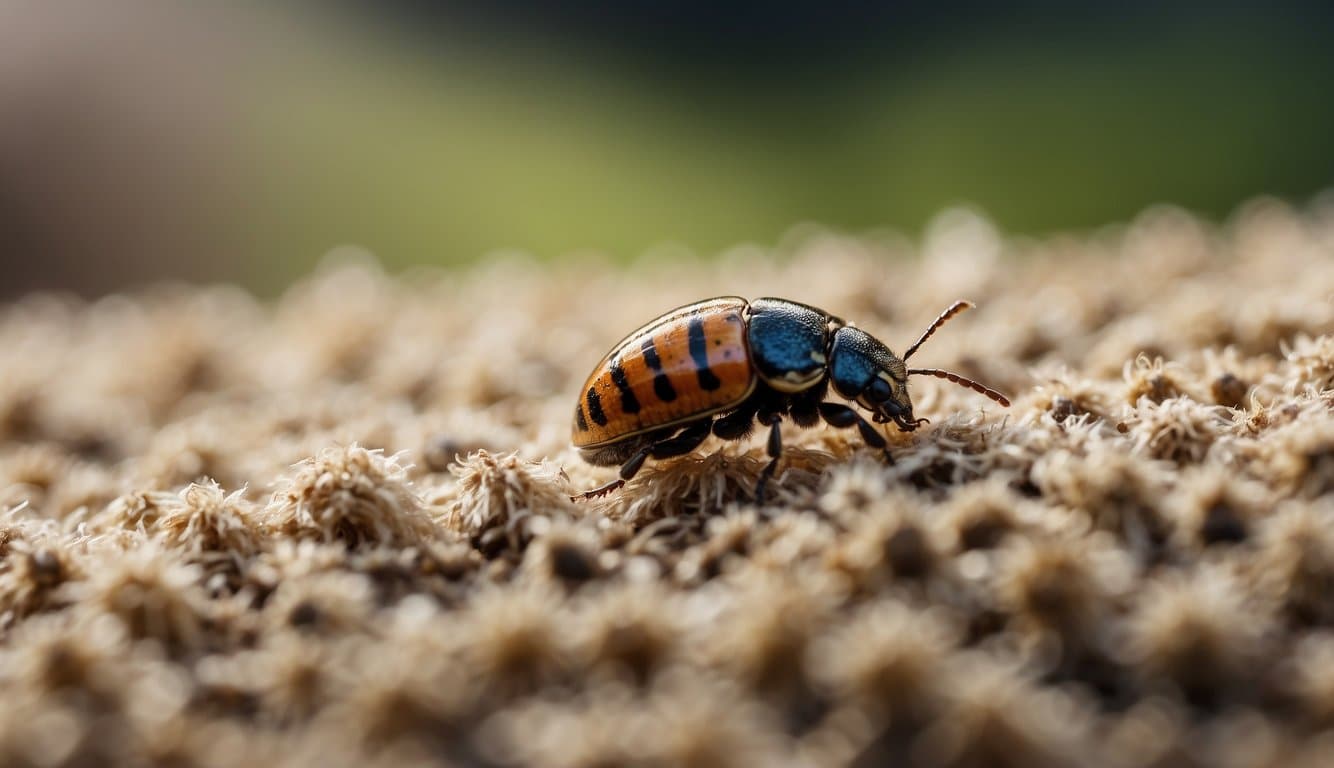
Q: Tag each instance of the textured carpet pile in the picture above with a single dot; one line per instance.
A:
(336, 528)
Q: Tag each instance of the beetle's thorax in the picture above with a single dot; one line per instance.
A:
(789, 343)
(796, 347)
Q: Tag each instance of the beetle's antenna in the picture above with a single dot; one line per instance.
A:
(961, 381)
(954, 309)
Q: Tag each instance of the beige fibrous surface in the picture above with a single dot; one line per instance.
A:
(336, 528)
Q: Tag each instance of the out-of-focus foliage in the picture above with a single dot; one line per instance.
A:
(156, 138)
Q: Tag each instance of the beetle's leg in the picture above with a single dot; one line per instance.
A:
(841, 416)
(909, 426)
(804, 408)
(601, 490)
(735, 425)
(628, 470)
(774, 448)
(684, 442)
(681, 443)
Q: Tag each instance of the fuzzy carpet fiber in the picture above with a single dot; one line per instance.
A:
(335, 529)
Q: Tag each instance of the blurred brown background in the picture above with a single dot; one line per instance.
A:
(148, 140)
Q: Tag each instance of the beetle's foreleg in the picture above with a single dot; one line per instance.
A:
(909, 426)
(842, 416)
(774, 447)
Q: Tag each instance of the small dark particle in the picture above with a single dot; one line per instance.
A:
(45, 568)
(1320, 470)
(441, 450)
(1222, 526)
(1027, 488)
(634, 648)
(984, 623)
(304, 614)
(1162, 388)
(983, 533)
(1230, 391)
(95, 448)
(492, 542)
(908, 553)
(1063, 408)
(571, 563)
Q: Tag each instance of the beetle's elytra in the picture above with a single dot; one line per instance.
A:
(721, 365)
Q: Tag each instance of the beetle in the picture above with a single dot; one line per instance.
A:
(719, 366)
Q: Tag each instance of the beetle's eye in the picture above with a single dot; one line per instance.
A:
(879, 391)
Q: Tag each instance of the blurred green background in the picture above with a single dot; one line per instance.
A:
(148, 140)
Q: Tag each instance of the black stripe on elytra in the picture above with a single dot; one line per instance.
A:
(662, 386)
(595, 408)
(699, 352)
(629, 403)
(579, 420)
